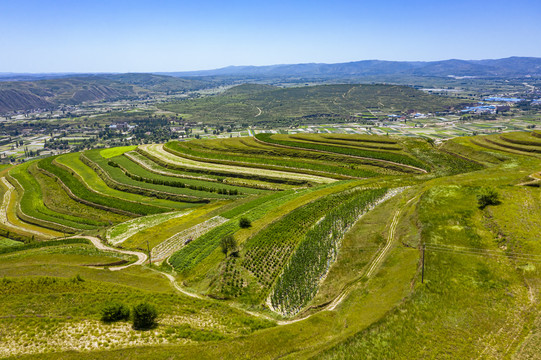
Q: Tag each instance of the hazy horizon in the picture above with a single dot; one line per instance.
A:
(170, 36)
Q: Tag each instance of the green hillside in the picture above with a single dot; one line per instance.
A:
(325, 246)
(286, 106)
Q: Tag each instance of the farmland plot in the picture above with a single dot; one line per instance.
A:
(121, 232)
(177, 241)
(158, 151)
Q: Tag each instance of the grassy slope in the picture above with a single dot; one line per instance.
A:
(470, 305)
(309, 103)
(92, 180)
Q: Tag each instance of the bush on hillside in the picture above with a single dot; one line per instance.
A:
(245, 223)
(144, 316)
(488, 196)
(115, 312)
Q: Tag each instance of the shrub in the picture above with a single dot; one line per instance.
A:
(144, 316)
(115, 312)
(489, 196)
(228, 244)
(245, 223)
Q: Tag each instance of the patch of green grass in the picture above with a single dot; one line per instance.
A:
(116, 151)
(6, 243)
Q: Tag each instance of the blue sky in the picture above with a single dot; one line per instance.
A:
(162, 35)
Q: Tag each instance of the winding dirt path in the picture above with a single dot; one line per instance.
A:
(141, 257)
(536, 179)
(373, 266)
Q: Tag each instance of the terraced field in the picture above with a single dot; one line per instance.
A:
(519, 143)
(258, 244)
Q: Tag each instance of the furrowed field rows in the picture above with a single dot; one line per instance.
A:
(195, 252)
(522, 138)
(248, 152)
(115, 177)
(355, 144)
(119, 233)
(12, 226)
(176, 242)
(79, 190)
(488, 143)
(158, 151)
(192, 151)
(155, 168)
(32, 209)
(268, 251)
(94, 189)
(212, 188)
(299, 282)
(370, 139)
(57, 199)
(392, 159)
(333, 163)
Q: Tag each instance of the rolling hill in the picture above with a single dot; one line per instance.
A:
(508, 67)
(261, 104)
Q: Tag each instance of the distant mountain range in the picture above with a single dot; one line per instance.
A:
(508, 67)
(24, 92)
(49, 93)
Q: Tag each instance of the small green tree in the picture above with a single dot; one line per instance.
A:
(228, 244)
(144, 316)
(115, 312)
(488, 196)
(245, 222)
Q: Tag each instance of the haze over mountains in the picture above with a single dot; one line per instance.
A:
(24, 92)
(512, 66)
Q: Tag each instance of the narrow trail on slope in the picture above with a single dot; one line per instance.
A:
(536, 180)
(142, 258)
(373, 266)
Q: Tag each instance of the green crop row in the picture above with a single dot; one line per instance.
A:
(361, 138)
(268, 251)
(32, 209)
(346, 143)
(521, 138)
(10, 234)
(81, 193)
(245, 184)
(115, 178)
(512, 146)
(298, 283)
(387, 156)
(199, 249)
(133, 170)
(179, 184)
(273, 158)
(173, 148)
